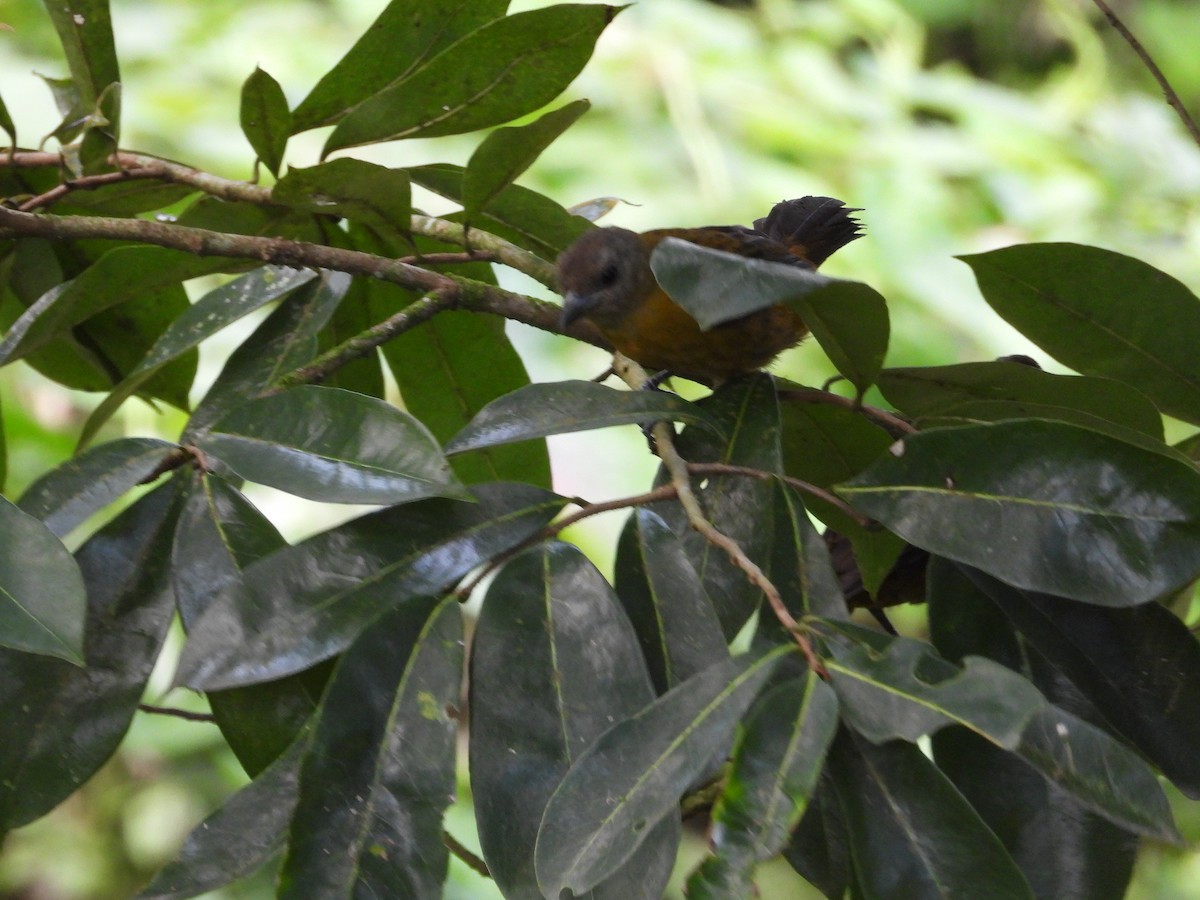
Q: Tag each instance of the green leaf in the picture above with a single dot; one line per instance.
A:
(820, 849)
(717, 286)
(538, 410)
(332, 445)
(42, 598)
(65, 497)
(912, 834)
(404, 38)
(218, 535)
(306, 603)
(118, 276)
(1133, 663)
(62, 722)
(281, 344)
(991, 391)
(1101, 313)
(448, 370)
(502, 70)
(745, 409)
(374, 196)
(85, 30)
(507, 152)
(239, 837)
(776, 765)
(850, 322)
(6, 124)
(661, 592)
(517, 214)
(799, 563)
(554, 664)
(124, 198)
(199, 321)
(265, 119)
(1042, 505)
(380, 770)
(634, 774)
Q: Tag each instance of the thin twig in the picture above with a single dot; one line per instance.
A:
(472, 861)
(799, 484)
(1172, 98)
(677, 468)
(893, 424)
(177, 713)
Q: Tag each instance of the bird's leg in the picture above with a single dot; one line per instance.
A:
(654, 383)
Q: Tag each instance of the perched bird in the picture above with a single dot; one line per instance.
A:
(605, 277)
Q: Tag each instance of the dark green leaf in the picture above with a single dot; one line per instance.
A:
(62, 722)
(6, 124)
(746, 410)
(502, 70)
(820, 849)
(633, 776)
(219, 534)
(674, 619)
(1135, 664)
(912, 834)
(991, 391)
(281, 344)
(538, 410)
(1101, 313)
(799, 563)
(850, 322)
(374, 196)
(265, 119)
(65, 497)
(554, 664)
(405, 37)
(307, 602)
(507, 152)
(201, 320)
(524, 217)
(448, 370)
(332, 445)
(85, 30)
(776, 765)
(42, 598)
(118, 276)
(247, 830)
(124, 198)
(1043, 505)
(380, 769)
(717, 286)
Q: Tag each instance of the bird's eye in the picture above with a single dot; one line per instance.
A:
(609, 275)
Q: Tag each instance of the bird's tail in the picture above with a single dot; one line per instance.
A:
(813, 228)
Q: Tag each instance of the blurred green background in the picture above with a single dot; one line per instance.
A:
(958, 125)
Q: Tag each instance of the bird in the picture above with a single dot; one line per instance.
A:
(605, 277)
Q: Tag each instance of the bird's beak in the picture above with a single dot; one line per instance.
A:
(575, 307)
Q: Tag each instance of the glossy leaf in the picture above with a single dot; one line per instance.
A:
(992, 391)
(265, 119)
(517, 214)
(284, 342)
(554, 664)
(912, 834)
(372, 195)
(1101, 313)
(404, 38)
(200, 321)
(247, 830)
(305, 603)
(799, 564)
(538, 410)
(634, 774)
(119, 275)
(332, 445)
(850, 322)
(776, 765)
(507, 152)
(448, 370)
(745, 409)
(66, 496)
(219, 534)
(1043, 506)
(502, 70)
(380, 769)
(1135, 664)
(820, 849)
(62, 722)
(665, 600)
(42, 598)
